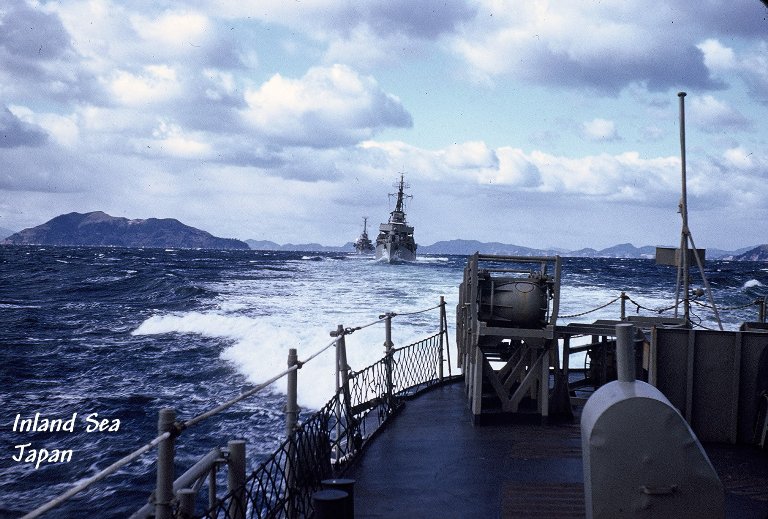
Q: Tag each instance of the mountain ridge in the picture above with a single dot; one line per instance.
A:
(100, 229)
(467, 247)
(97, 228)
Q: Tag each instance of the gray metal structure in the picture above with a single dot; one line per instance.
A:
(641, 458)
(395, 241)
(516, 359)
(506, 317)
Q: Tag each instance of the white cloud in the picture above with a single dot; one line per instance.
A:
(99, 31)
(367, 49)
(583, 44)
(717, 57)
(738, 158)
(470, 155)
(750, 63)
(625, 176)
(223, 84)
(225, 112)
(516, 169)
(329, 106)
(176, 29)
(63, 129)
(157, 83)
(600, 130)
(171, 139)
(753, 66)
(713, 115)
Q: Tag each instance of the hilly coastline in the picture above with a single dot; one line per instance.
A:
(467, 247)
(100, 229)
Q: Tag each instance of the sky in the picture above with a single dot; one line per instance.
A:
(535, 123)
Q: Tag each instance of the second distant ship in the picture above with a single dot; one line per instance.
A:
(395, 240)
(364, 245)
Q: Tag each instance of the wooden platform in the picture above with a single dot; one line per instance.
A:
(431, 462)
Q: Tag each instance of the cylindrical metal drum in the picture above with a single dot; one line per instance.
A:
(513, 302)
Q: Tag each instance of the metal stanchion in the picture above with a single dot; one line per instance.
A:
(236, 479)
(165, 451)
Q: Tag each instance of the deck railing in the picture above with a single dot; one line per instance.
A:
(623, 298)
(319, 447)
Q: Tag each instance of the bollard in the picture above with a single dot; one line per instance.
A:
(165, 451)
(329, 504)
(236, 479)
(345, 485)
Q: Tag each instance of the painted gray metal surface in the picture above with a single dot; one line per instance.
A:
(642, 460)
(712, 377)
(508, 307)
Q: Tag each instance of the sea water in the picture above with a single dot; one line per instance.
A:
(100, 339)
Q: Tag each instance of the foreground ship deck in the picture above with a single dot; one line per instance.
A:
(417, 446)
(432, 462)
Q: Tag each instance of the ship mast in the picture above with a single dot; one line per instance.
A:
(398, 215)
(686, 237)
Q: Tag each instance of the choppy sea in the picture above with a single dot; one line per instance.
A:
(115, 334)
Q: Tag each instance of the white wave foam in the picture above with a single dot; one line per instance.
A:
(432, 259)
(260, 347)
(15, 306)
(752, 283)
(261, 319)
(207, 324)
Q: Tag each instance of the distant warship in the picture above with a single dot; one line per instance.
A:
(364, 245)
(395, 240)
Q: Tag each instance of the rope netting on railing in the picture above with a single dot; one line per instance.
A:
(324, 444)
(319, 447)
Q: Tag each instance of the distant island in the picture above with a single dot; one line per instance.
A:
(467, 247)
(100, 229)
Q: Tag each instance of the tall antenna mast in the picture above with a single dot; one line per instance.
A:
(686, 236)
(685, 232)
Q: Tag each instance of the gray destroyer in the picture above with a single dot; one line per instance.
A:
(395, 240)
(364, 245)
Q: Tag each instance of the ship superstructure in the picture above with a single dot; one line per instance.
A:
(395, 241)
(364, 245)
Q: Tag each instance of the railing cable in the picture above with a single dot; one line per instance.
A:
(590, 311)
(97, 477)
(180, 426)
(199, 418)
(415, 312)
(657, 310)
